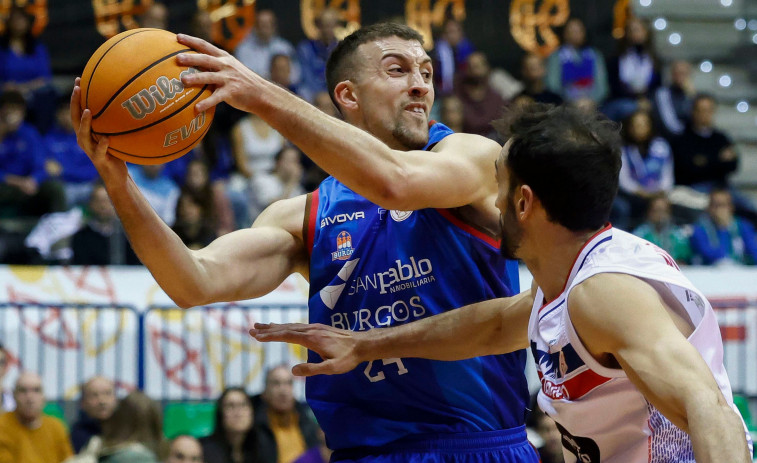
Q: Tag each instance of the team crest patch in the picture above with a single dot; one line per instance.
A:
(399, 216)
(343, 247)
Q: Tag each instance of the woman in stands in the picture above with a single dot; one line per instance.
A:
(233, 439)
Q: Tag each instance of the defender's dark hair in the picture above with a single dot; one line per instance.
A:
(570, 158)
(341, 66)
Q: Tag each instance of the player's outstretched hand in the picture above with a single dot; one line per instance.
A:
(97, 150)
(234, 83)
(336, 347)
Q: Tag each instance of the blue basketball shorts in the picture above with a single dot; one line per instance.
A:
(506, 446)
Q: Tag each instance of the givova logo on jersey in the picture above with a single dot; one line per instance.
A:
(344, 247)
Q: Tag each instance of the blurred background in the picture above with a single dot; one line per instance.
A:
(76, 304)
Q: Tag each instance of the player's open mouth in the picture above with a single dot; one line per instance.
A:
(416, 109)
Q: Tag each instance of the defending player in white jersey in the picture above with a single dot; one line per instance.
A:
(628, 351)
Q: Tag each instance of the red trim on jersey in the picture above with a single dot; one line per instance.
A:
(583, 383)
(468, 229)
(574, 388)
(575, 259)
(312, 220)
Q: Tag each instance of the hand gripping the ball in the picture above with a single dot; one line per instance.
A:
(234, 83)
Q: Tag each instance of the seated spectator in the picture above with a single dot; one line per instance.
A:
(158, 188)
(184, 449)
(283, 182)
(255, 144)
(233, 439)
(319, 454)
(26, 434)
(659, 230)
(101, 241)
(25, 189)
(25, 67)
(672, 103)
(705, 157)
(286, 428)
(647, 169)
(313, 54)
(281, 73)
(452, 113)
(576, 71)
(98, 401)
(156, 16)
(134, 432)
(481, 104)
(450, 56)
(66, 161)
(193, 224)
(721, 238)
(262, 43)
(213, 197)
(7, 404)
(633, 74)
(533, 72)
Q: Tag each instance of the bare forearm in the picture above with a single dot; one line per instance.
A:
(490, 327)
(339, 148)
(717, 434)
(156, 245)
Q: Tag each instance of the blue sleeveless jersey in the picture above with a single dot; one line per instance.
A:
(373, 268)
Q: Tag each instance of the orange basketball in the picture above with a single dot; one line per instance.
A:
(132, 85)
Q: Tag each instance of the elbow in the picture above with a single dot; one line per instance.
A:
(394, 192)
(186, 301)
(188, 296)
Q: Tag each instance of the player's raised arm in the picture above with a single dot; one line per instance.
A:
(623, 318)
(382, 86)
(240, 265)
(490, 327)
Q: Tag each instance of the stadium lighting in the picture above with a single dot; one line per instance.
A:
(674, 38)
(660, 24)
(705, 66)
(740, 24)
(725, 80)
(726, 2)
(645, 3)
(752, 25)
(742, 106)
(754, 38)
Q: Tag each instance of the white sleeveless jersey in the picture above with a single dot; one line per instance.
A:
(601, 415)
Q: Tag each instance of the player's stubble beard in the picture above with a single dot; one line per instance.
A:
(410, 138)
(511, 231)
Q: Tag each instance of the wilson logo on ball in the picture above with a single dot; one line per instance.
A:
(146, 100)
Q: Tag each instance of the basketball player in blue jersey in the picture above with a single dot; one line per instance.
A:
(628, 351)
(405, 229)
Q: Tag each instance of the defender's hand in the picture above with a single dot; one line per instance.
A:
(336, 347)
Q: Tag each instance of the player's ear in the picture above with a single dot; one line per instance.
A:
(345, 96)
(525, 204)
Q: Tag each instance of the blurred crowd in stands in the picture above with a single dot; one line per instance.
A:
(674, 186)
(270, 427)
